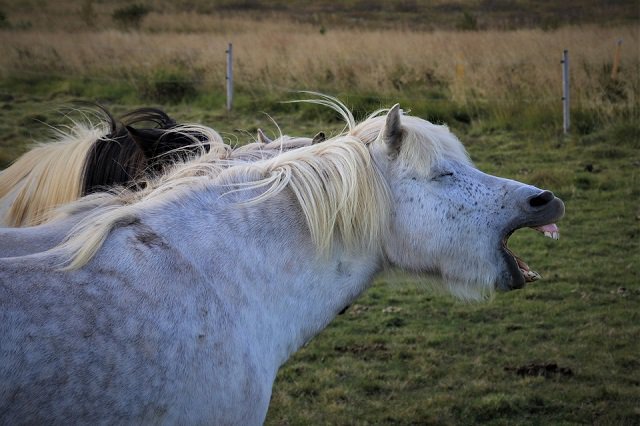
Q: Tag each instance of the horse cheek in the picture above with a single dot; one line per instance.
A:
(415, 232)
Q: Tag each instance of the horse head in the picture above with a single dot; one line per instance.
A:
(448, 217)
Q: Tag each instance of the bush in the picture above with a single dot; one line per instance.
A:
(4, 22)
(467, 22)
(88, 13)
(169, 85)
(130, 17)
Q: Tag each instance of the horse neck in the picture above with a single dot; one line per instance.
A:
(266, 271)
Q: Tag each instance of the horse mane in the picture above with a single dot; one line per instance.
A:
(338, 187)
(167, 141)
(336, 183)
(113, 159)
(118, 158)
(48, 175)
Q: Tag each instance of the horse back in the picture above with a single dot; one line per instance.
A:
(143, 338)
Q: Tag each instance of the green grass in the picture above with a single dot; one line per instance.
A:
(406, 354)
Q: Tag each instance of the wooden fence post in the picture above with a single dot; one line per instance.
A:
(459, 88)
(616, 61)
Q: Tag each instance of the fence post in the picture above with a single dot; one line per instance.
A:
(229, 77)
(459, 89)
(616, 61)
(565, 92)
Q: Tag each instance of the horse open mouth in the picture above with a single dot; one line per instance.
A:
(550, 231)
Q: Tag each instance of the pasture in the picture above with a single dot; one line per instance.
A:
(564, 350)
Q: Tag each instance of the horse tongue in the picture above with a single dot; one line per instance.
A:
(552, 227)
(551, 230)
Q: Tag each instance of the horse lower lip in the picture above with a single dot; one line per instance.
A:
(527, 275)
(513, 279)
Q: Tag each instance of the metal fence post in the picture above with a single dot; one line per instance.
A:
(565, 92)
(229, 52)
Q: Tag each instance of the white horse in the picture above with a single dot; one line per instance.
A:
(178, 304)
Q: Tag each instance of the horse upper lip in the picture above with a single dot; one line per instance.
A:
(537, 218)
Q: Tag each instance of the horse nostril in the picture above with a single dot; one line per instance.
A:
(541, 199)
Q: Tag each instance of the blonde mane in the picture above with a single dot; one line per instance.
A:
(42, 178)
(337, 184)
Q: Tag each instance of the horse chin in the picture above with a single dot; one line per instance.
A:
(511, 278)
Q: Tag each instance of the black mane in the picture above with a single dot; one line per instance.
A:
(126, 153)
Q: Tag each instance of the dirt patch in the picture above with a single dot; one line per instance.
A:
(358, 349)
(545, 370)
(378, 351)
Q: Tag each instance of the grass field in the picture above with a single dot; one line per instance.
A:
(564, 350)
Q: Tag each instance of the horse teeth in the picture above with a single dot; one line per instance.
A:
(530, 276)
(552, 234)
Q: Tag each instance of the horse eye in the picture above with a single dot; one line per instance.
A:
(442, 175)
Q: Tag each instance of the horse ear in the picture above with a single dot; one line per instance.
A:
(392, 132)
(262, 138)
(319, 137)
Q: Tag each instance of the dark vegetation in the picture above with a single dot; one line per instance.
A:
(129, 17)
(425, 14)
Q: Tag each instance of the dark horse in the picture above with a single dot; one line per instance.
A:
(120, 157)
(138, 145)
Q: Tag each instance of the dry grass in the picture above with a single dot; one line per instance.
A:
(521, 65)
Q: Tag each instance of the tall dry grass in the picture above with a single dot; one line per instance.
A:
(272, 54)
